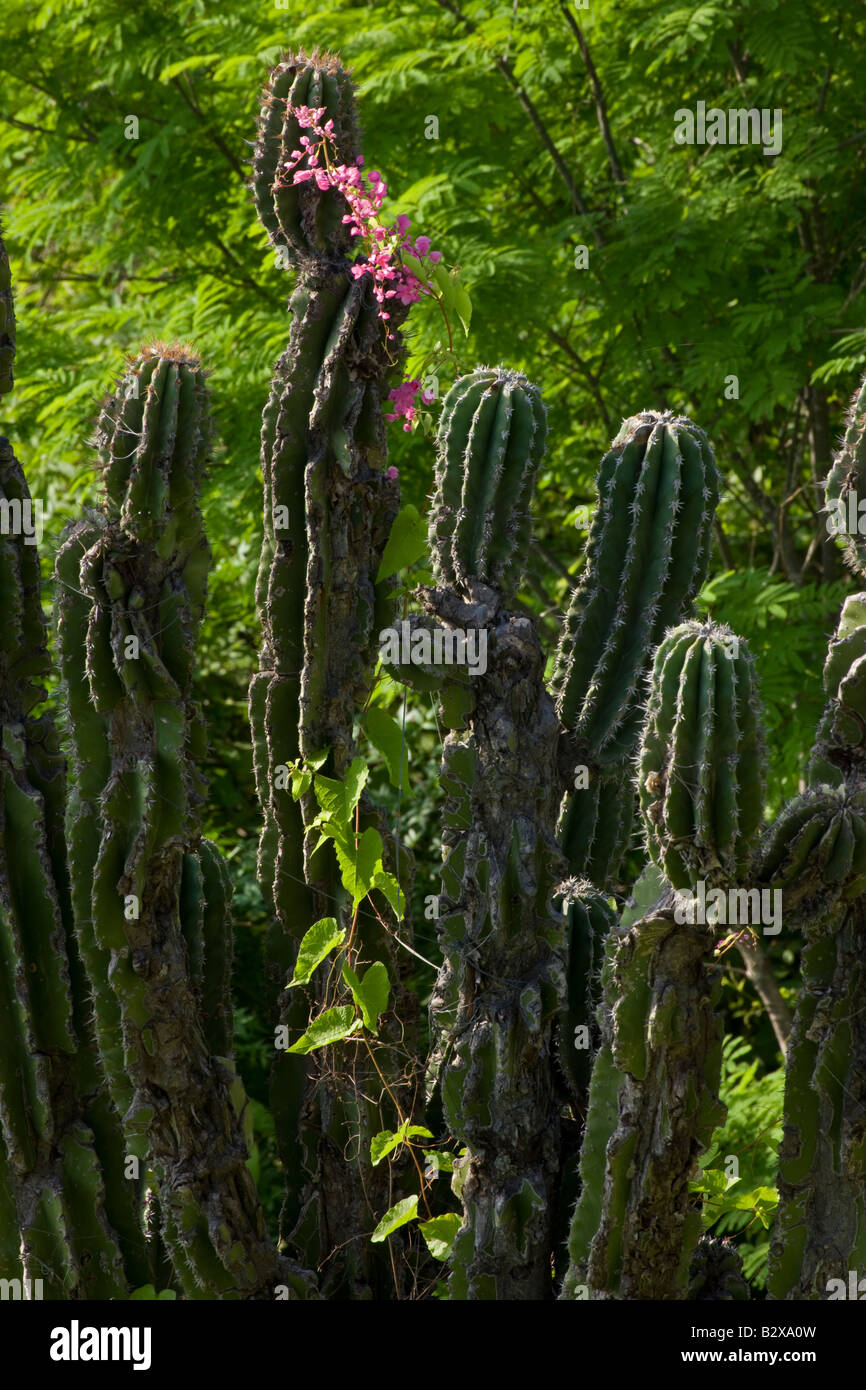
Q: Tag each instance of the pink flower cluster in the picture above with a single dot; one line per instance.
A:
(391, 279)
(403, 397)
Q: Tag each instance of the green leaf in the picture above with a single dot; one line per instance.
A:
(360, 863)
(198, 60)
(370, 994)
(713, 1181)
(445, 284)
(339, 799)
(440, 1234)
(317, 943)
(761, 1197)
(301, 781)
(463, 307)
(387, 1140)
(387, 884)
(406, 543)
(330, 1027)
(385, 733)
(384, 1143)
(438, 1161)
(398, 1216)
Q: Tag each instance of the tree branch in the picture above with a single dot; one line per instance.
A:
(597, 94)
(188, 96)
(592, 381)
(578, 203)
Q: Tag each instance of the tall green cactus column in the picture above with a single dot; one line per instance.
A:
(68, 1216)
(654, 1091)
(328, 508)
(816, 854)
(134, 826)
(647, 555)
(501, 986)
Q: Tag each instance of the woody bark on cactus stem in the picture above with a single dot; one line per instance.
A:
(329, 503)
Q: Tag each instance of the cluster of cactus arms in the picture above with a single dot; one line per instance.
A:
(501, 985)
(646, 557)
(576, 1040)
(68, 1217)
(151, 903)
(654, 1099)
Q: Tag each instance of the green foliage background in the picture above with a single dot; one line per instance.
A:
(555, 132)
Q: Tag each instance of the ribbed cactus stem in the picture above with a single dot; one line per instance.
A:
(302, 218)
(589, 920)
(701, 761)
(654, 1091)
(647, 555)
(491, 440)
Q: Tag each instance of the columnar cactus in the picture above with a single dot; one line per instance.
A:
(328, 508)
(701, 770)
(647, 555)
(68, 1217)
(554, 1021)
(501, 984)
(152, 922)
(653, 1106)
(64, 1155)
(654, 1091)
(816, 853)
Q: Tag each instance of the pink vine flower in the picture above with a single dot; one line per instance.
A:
(405, 404)
(382, 244)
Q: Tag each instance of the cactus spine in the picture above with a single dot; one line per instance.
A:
(328, 509)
